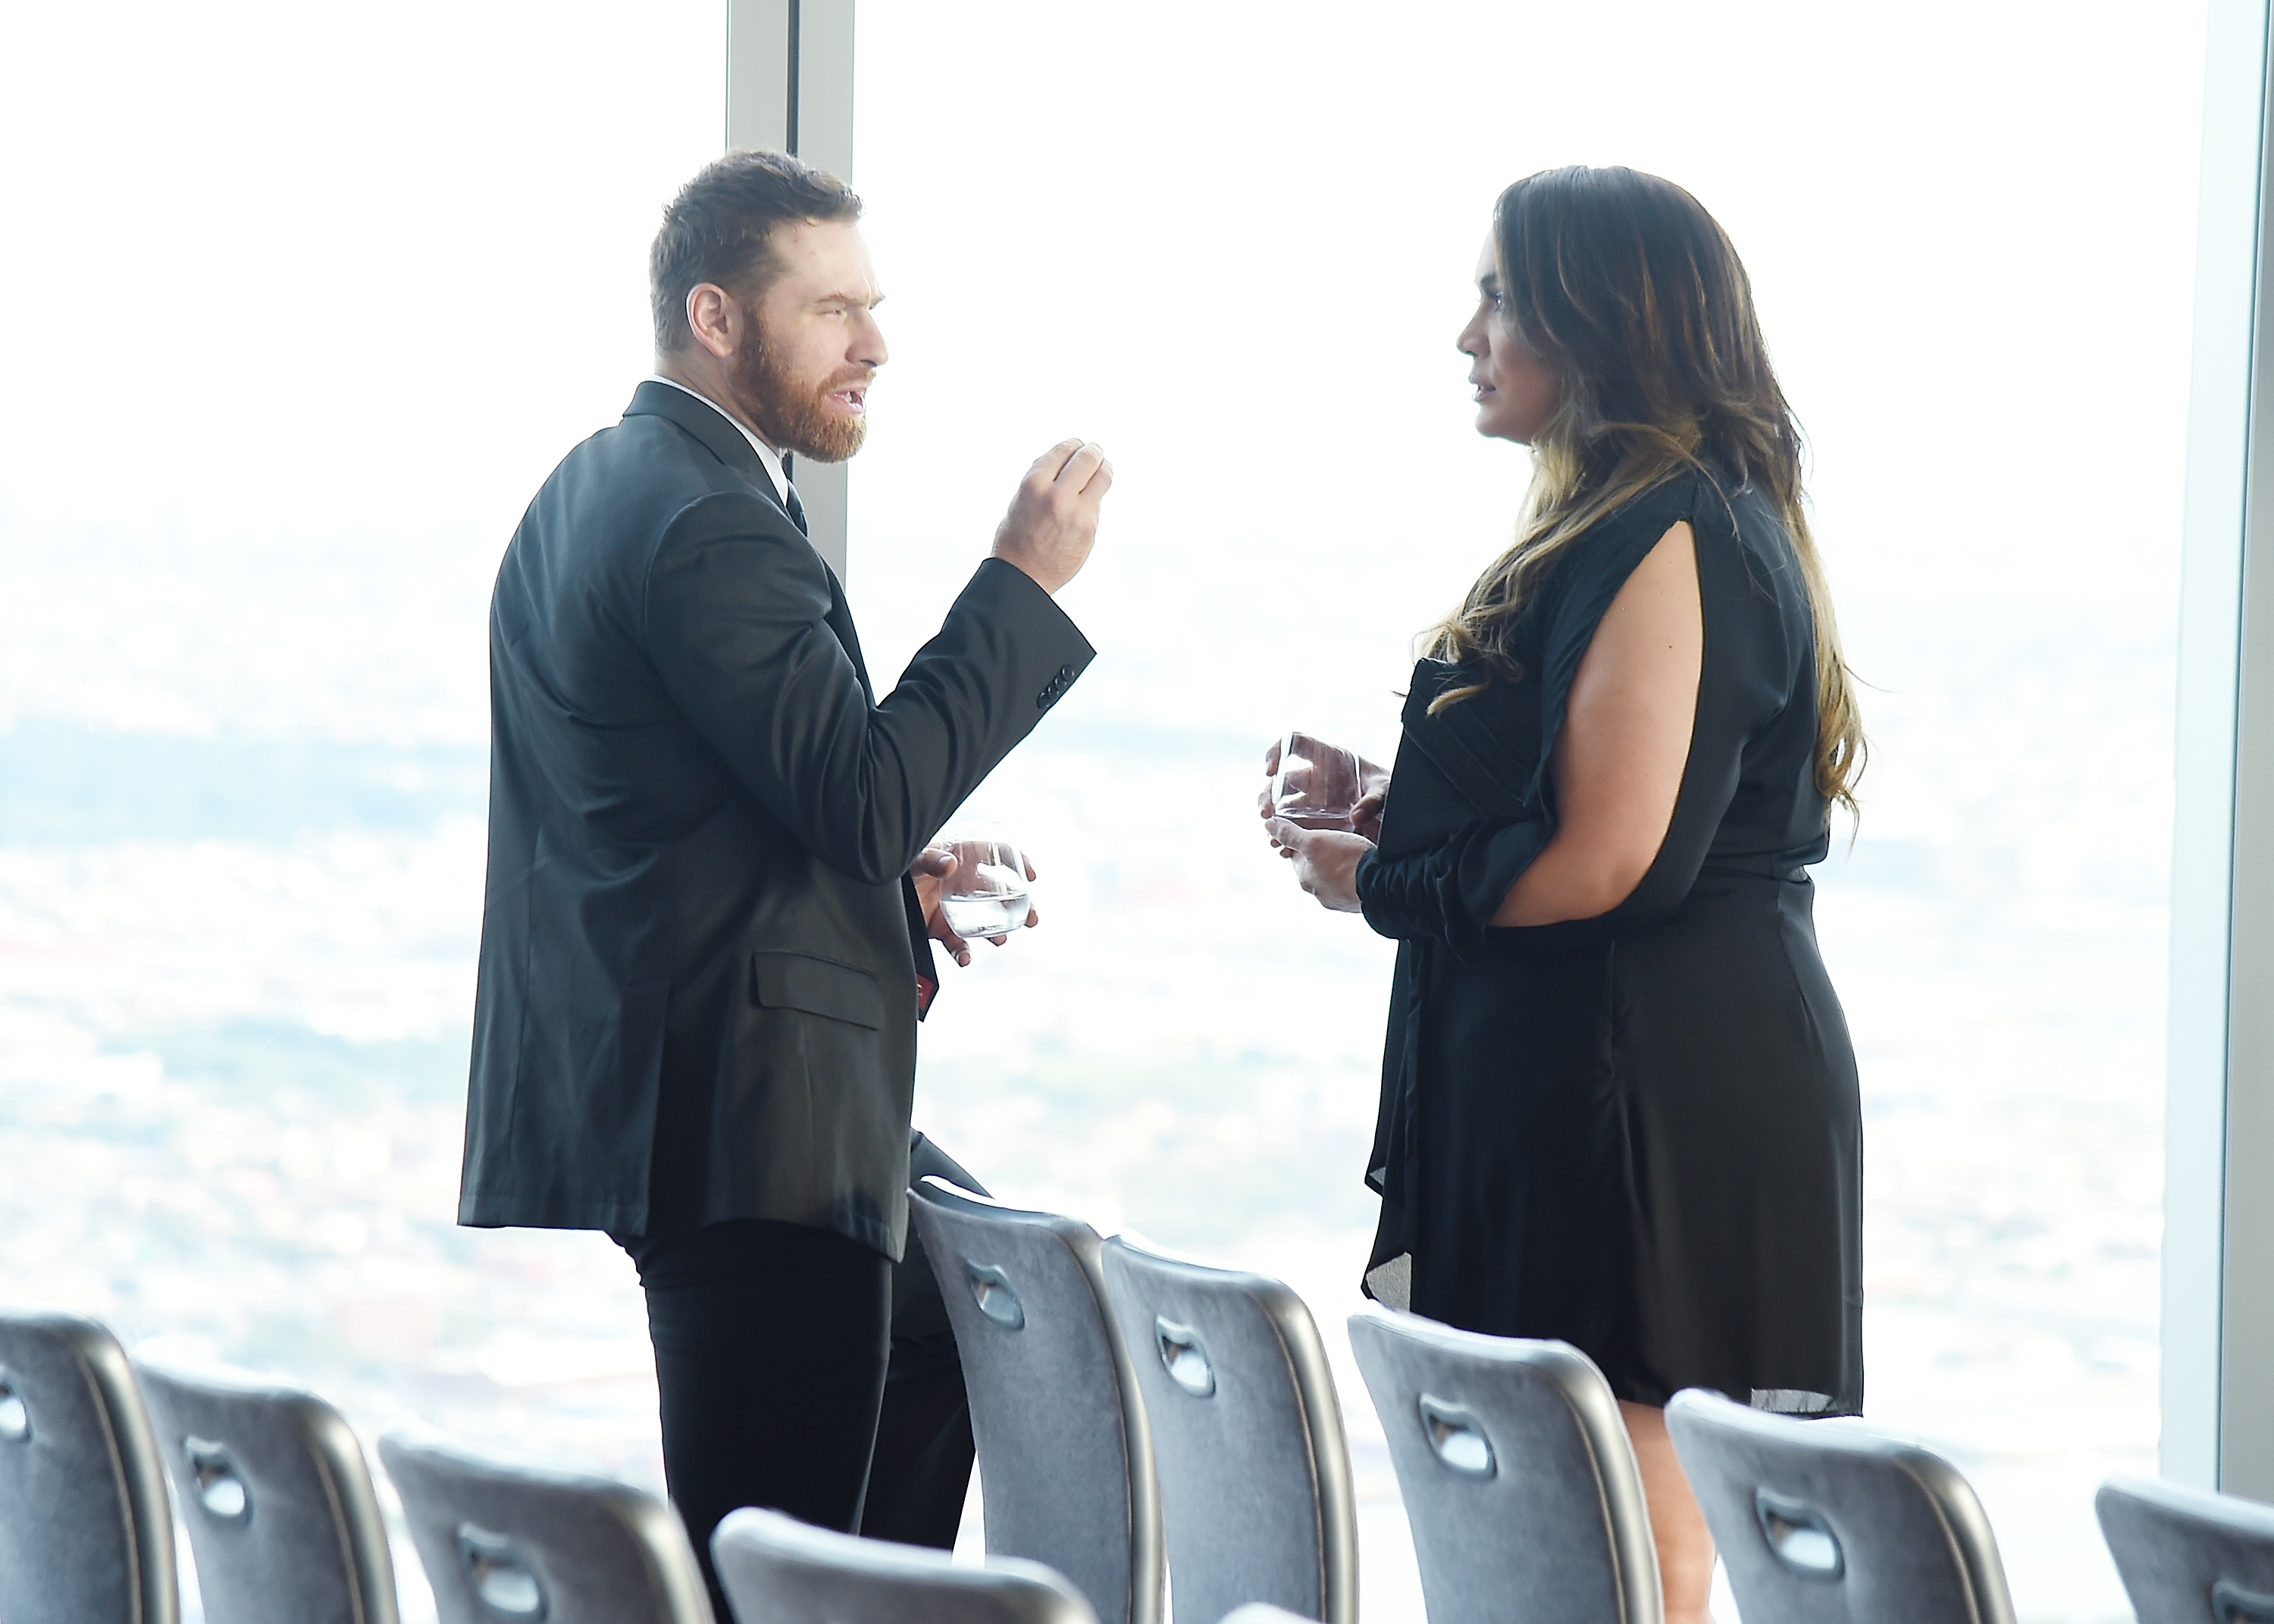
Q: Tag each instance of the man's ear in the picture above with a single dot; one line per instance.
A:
(715, 318)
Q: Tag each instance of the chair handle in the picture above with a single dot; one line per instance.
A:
(992, 1288)
(1183, 1358)
(222, 1489)
(500, 1575)
(2233, 1604)
(1457, 1437)
(1799, 1537)
(15, 1415)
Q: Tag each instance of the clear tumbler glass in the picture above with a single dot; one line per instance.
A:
(987, 895)
(1316, 785)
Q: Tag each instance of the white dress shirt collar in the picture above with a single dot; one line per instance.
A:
(767, 455)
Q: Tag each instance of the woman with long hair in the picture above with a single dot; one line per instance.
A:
(1619, 1104)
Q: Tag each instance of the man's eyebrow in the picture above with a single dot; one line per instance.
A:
(870, 301)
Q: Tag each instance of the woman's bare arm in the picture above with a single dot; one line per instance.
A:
(1618, 762)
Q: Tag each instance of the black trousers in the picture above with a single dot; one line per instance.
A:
(800, 1370)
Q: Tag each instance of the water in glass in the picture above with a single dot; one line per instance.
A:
(987, 895)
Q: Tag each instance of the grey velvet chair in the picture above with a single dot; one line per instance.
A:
(777, 1570)
(280, 1505)
(2188, 1556)
(1066, 1458)
(1255, 1480)
(1818, 1522)
(501, 1541)
(86, 1536)
(1518, 1478)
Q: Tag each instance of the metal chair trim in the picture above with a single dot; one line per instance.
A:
(1322, 1417)
(149, 1510)
(1958, 1509)
(354, 1508)
(1148, 1540)
(1585, 1392)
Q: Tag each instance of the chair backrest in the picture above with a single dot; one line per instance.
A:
(1065, 1457)
(280, 1505)
(1255, 1477)
(1518, 1477)
(1819, 1522)
(777, 1570)
(2188, 1556)
(86, 1536)
(501, 1541)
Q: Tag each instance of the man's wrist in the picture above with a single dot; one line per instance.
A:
(1033, 572)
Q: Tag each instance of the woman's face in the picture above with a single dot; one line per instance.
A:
(1515, 391)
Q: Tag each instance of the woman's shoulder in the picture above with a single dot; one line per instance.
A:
(1698, 494)
(1597, 561)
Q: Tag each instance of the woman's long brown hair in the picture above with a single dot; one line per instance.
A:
(1623, 285)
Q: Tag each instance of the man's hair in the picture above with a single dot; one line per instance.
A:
(720, 229)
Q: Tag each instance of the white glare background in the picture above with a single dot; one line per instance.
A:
(299, 306)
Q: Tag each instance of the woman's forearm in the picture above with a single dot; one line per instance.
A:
(1569, 881)
(1447, 893)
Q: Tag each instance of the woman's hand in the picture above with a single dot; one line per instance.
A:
(1374, 790)
(1325, 860)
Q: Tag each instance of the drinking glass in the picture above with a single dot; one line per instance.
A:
(1316, 785)
(987, 894)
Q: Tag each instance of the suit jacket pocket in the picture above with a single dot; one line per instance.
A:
(818, 987)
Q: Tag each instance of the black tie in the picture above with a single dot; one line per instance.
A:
(797, 509)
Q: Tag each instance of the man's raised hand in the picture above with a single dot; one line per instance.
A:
(1053, 524)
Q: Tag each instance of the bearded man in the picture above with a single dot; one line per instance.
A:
(706, 938)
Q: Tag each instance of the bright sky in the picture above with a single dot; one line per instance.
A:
(300, 303)
(289, 282)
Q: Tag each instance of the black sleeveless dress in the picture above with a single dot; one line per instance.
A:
(1639, 1133)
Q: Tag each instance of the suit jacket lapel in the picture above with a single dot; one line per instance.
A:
(724, 441)
(713, 427)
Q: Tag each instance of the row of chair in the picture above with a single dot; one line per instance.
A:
(1139, 1416)
(1115, 1389)
(284, 1520)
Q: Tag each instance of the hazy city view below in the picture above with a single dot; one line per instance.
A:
(245, 550)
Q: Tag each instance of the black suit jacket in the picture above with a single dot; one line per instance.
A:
(698, 988)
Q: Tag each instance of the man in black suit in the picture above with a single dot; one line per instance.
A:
(707, 924)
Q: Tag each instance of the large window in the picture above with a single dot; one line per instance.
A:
(300, 307)
(1234, 244)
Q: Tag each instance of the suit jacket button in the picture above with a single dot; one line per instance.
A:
(1065, 673)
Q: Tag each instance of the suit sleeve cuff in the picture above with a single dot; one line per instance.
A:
(1006, 594)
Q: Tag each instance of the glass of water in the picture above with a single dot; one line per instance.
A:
(1316, 785)
(989, 894)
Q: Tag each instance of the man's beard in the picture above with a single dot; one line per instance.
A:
(787, 410)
